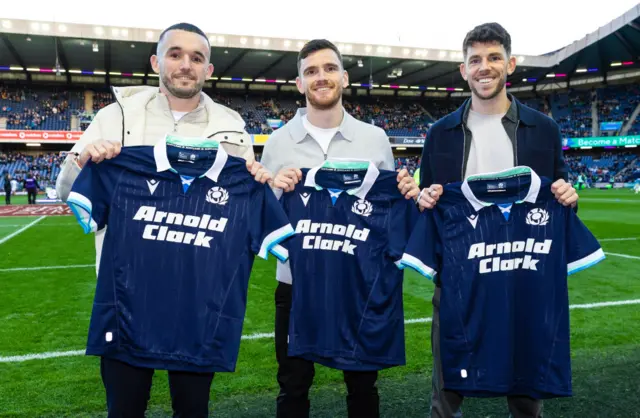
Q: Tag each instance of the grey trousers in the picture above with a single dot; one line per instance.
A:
(446, 404)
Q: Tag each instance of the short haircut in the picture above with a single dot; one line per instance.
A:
(187, 27)
(317, 45)
(487, 33)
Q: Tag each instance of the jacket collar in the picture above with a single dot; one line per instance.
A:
(136, 99)
(346, 129)
(517, 112)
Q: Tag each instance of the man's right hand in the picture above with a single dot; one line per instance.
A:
(287, 178)
(428, 197)
(99, 151)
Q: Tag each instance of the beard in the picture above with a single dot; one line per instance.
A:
(181, 92)
(502, 81)
(325, 103)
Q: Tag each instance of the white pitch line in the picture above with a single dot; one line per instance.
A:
(73, 266)
(263, 336)
(618, 239)
(41, 356)
(633, 257)
(604, 304)
(21, 230)
(19, 225)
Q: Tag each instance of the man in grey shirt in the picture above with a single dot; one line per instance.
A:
(322, 130)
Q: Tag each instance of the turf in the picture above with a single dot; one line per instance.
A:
(48, 311)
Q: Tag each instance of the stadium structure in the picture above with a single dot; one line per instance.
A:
(589, 87)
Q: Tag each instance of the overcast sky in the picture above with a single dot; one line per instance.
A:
(536, 27)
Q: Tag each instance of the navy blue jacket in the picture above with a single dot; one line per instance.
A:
(536, 139)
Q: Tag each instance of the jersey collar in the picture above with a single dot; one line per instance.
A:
(163, 164)
(362, 191)
(531, 197)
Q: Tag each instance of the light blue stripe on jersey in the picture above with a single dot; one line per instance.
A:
(586, 262)
(417, 265)
(280, 252)
(81, 208)
(274, 238)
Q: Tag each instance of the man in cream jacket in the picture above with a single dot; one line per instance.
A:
(143, 115)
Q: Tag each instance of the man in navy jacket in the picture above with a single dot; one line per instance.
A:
(490, 132)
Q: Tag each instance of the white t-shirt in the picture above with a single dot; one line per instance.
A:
(322, 136)
(491, 149)
(178, 115)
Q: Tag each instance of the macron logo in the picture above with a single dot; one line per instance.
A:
(473, 220)
(305, 198)
(153, 185)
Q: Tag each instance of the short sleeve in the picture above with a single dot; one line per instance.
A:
(91, 194)
(404, 216)
(423, 252)
(270, 226)
(583, 249)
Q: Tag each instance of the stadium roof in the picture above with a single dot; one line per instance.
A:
(111, 54)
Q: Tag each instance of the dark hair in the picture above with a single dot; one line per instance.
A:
(488, 33)
(187, 27)
(317, 45)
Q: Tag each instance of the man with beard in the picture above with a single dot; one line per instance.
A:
(320, 131)
(143, 116)
(491, 132)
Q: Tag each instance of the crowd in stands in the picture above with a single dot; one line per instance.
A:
(44, 167)
(608, 167)
(27, 109)
(411, 163)
(101, 99)
(39, 109)
(573, 113)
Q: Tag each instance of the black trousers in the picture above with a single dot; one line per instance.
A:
(7, 197)
(31, 196)
(295, 375)
(128, 389)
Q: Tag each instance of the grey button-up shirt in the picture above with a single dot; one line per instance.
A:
(293, 147)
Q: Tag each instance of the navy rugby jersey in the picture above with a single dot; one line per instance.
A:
(501, 247)
(184, 224)
(352, 225)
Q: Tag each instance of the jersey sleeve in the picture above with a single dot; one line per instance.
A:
(423, 252)
(270, 226)
(404, 216)
(583, 249)
(91, 194)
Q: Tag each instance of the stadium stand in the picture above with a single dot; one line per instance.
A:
(52, 109)
(44, 166)
(572, 111)
(28, 109)
(46, 110)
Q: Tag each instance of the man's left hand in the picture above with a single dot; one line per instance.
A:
(565, 193)
(407, 185)
(261, 174)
